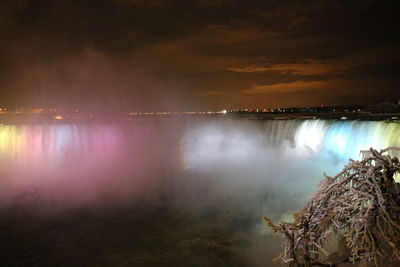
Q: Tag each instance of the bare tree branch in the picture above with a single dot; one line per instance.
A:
(361, 204)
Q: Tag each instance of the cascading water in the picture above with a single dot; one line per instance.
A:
(338, 140)
(77, 162)
(205, 183)
(234, 152)
(269, 159)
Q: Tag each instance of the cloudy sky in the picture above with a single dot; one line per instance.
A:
(196, 55)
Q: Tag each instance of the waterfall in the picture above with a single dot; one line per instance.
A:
(257, 155)
(236, 140)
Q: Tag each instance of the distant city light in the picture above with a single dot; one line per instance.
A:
(342, 112)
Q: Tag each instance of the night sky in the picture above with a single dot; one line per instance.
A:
(169, 55)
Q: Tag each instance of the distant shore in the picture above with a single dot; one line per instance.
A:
(28, 118)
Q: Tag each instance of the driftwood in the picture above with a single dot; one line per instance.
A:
(360, 206)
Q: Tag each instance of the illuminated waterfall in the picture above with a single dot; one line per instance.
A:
(55, 143)
(93, 157)
(346, 139)
(339, 140)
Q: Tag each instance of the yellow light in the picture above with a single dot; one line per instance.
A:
(397, 177)
(58, 117)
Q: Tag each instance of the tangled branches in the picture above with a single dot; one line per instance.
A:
(361, 205)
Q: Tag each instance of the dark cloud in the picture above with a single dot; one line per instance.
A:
(175, 54)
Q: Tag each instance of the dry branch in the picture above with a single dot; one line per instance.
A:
(361, 205)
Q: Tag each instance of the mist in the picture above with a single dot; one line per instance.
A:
(234, 158)
(222, 174)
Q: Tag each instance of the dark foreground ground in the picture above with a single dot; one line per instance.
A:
(133, 235)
